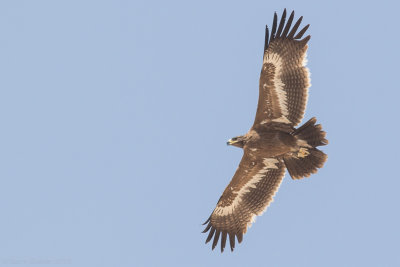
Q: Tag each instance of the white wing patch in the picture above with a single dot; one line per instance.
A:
(275, 59)
(304, 63)
(282, 119)
(254, 216)
(269, 163)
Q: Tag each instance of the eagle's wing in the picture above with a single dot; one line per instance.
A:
(284, 79)
(247, 195)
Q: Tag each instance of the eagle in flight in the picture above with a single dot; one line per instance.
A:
(273, 144)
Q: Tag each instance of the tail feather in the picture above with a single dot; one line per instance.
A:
(311, 133)
(308, 158)
(304, 167)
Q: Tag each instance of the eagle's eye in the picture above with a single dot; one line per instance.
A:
(234, 138)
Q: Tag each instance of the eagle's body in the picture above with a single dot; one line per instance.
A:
(273, 144)
(278, 145)
(267, 143)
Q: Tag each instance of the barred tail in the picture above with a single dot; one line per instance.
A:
(308, 158)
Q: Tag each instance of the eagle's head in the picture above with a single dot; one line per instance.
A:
(238, 141)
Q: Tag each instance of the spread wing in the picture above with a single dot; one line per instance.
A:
(248, 194)
(284, 79)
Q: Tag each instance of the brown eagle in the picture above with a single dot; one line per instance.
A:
(273, 144)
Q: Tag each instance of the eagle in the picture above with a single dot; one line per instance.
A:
(273, 144)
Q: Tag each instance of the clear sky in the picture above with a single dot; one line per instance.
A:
(115, 116)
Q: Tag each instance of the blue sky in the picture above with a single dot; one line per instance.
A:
(114, 120)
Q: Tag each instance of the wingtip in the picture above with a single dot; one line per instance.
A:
(223, 240)
(210, 235)
(274, 25)
(281, 23)
(288, 25)
(306, 39)
(301, 33)
(216, 238)
(240, 237)
(282, 28)
(207, 228)
(208, 220)
(232, 241)
(266, 38)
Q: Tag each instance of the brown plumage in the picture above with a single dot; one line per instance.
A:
(273, 144)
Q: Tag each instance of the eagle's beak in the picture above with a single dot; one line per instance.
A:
(230, 142)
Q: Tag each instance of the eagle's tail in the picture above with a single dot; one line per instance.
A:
(308, 158)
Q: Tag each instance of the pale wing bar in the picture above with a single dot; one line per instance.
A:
(247, 195)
